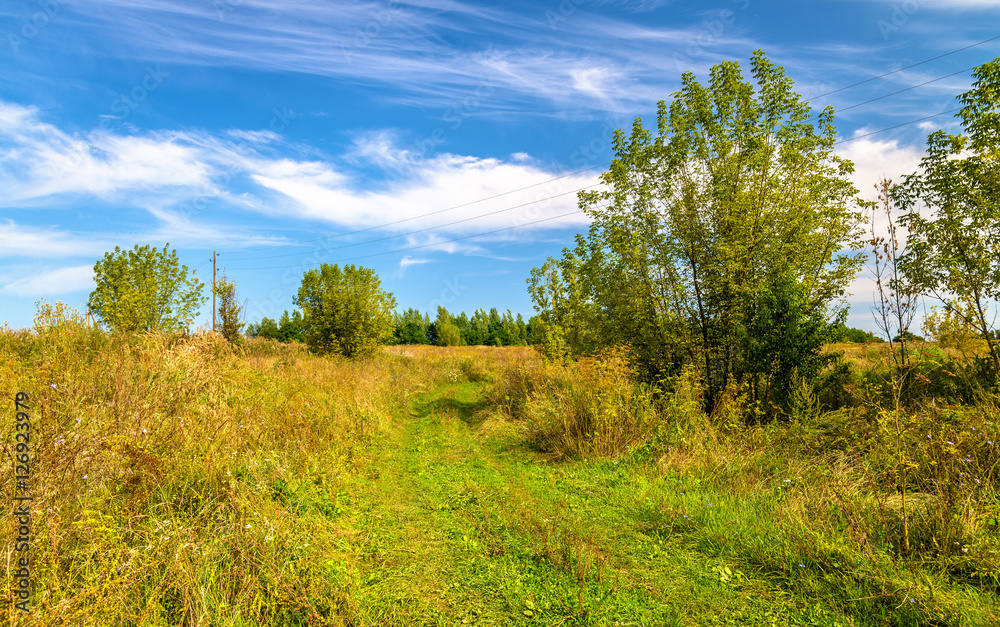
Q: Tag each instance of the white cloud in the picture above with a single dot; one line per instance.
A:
(593, 63)
(433, 185)
(61, 281)
(177, 178)
(19, 241)
(874, 159)
(38, 160)
(408, 261)
(256, 137)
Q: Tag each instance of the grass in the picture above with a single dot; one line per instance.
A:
(179, 482)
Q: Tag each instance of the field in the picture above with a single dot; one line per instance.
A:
(176, 481)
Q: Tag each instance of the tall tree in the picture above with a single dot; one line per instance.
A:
(345, 311)
(411, 327)
(738, 194)
(953, 249)
(230, 311)
(446, 331)
(145, 289)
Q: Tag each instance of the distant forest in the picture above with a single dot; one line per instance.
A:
(483, 328)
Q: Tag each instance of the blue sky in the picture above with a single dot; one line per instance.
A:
(286, 134)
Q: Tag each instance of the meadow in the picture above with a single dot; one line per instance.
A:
(177, 480)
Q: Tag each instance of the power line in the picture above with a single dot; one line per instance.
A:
(882, 130)
(563, 215)
(448, 241)
(430, 228)
(500, 195)
(520, 189)
(382, 239)
(896, 93)
(875, 78)
(424, 215)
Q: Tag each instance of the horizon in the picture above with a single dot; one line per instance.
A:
(390, 134)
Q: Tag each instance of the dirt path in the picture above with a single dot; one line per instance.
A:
(455, 526)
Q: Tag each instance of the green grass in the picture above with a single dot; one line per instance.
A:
(271, 487)
(483, 530)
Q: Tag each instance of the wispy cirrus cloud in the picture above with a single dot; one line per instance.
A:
(65, 280)
(410, 47)
(20, 241)
(174, 178)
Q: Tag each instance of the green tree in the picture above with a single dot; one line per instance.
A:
(267, 329)
(737, 194)
(780, 341)
(230, 311)
(953, 251)
(145, 289)
(291, 328)
(462, 322)
(446, 331)
(411, 327)
(345, 311)
(564, 299)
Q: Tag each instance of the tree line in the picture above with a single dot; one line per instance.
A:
(722, 243)
(410, 326)
(726, 237)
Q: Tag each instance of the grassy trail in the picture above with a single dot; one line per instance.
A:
(459, 524)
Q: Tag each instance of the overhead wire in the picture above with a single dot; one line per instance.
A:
(431, 213)
(563, 215)
(601, 165)
(500, 195)
(902, 69)
(495, 196)
(429, 228)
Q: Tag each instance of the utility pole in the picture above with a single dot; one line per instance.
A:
(214, 257)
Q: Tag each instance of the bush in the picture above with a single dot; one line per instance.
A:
(345, 311)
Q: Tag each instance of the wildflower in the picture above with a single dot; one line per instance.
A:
(144, 432)
(52, 385)
(950, 443)
(802, 565)
(85, 476)
(912, 600)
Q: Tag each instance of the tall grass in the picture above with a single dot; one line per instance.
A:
(885, 506)
(177, 482)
